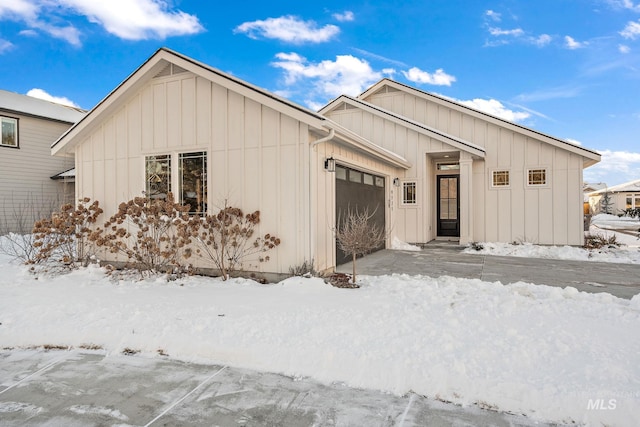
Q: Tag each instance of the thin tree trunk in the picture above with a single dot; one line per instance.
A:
(354, 268)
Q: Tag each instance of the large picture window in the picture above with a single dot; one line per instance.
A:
(158, 176)
(9, 132)
(193, 181)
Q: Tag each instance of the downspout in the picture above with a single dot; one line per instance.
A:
(312, 224)
(332, 133)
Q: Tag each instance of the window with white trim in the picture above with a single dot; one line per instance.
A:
(633, 201)
(536, 177)
(9, 132)
(500, 178)
(409, 193)
(191, 179)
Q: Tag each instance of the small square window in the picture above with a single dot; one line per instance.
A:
(9, 132)
(409, 196)
(355, 176)
(341, 173)
(368, 179)
(379, 181)
(537, 176)
(500, 179)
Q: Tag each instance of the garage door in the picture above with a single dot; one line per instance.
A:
(358, 190)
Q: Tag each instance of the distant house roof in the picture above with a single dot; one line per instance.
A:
(590, 187)
(627, 187)
(28, 105)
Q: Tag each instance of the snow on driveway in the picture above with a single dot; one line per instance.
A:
(549, 353)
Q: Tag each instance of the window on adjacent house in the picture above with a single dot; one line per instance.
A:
(193, 181)
(500, 178)
(537, 176)
(9, 132)
(409, 196)
(633, 201)
(158, 176)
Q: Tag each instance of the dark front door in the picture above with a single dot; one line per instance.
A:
(358, 191)
(448, 206)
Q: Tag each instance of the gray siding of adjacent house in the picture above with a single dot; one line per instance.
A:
(27, 191)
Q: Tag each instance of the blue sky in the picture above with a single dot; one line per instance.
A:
(569, 68)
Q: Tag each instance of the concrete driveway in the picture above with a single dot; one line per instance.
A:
(444, 258)
(72, 388)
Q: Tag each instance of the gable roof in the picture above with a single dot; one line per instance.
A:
(35, 107)
(157, 63)
(590, 157)
(456, 142)
(627, 187)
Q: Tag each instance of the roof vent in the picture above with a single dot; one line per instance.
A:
(170, 70)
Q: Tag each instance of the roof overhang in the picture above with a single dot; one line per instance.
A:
(152, 66)
(590, 157)
(474, 150)
(349, 139)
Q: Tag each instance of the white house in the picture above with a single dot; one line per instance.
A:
(31, 186)
(622, 196)
(429, 168)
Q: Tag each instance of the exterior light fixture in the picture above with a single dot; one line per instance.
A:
(396, 182)
(330, 164)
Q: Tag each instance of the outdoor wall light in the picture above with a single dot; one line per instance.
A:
(396, 182)
(330, 164)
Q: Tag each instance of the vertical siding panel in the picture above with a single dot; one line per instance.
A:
(203, 111)
(253, 124)
(159, 116)
(134, 131)
(147, 122)
(236, 120)
(219, 118)
(173, 114)
(188, 111)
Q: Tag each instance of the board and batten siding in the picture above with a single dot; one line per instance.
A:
(257, 157)
(550, 214)
(26, 188)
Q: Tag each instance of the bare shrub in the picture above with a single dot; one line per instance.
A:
(144, 230)
(598, 241)
(357, 235)
(306, 269)
(227, 239)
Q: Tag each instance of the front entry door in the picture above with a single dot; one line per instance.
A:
(448, 206)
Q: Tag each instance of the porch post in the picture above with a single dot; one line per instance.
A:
(466, 198)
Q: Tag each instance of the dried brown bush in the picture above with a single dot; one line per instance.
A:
(63, 239)
(227, 239)
(144, 230)
(598, 241)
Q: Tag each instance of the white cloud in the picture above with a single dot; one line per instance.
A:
(625, 4)
(631, 31)
(495, 16)
(615, 167)
(345, 16)
(516, 32)
(41, 94)
(127, 19)
(5, 46)
(439, 78)
(624, 48)
(573, 141)
(542, 40)
(496, 108)
(571, 43)
(289, 29)
(326, 79)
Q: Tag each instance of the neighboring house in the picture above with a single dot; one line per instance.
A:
(427, 167)
(590, 187)
(623, 196)
(30, 187)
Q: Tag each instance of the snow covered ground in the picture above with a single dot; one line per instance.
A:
(602, 224)
(549, 353)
